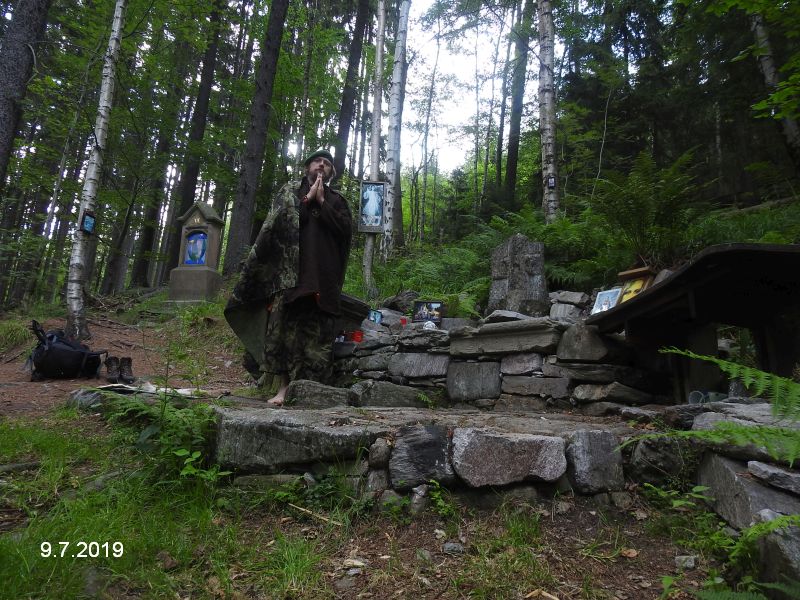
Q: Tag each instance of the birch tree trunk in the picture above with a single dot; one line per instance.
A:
(79, 267)
(375, 149)
(395, 123)
(547, 111)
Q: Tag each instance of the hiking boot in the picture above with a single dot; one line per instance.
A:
(126, 369)
(112, 369)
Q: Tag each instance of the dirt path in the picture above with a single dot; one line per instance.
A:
(19, 396)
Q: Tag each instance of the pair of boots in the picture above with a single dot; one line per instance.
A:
(119, 369)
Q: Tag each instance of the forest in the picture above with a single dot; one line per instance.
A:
(619, 133)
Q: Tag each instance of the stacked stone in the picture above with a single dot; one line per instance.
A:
(515, 362)
(569, 306)
(510, 362)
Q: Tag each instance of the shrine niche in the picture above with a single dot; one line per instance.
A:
(196, 278)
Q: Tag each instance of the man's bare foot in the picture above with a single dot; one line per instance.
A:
(277, 399)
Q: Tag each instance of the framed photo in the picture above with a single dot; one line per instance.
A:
(375, 316)
(87, 222)
(196, 244)
(634, 287)
(370, 215)
(428, 310)
(606, 299)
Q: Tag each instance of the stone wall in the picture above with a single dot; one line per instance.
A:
(507, 361)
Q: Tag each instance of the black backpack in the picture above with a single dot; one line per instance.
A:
(57, 356)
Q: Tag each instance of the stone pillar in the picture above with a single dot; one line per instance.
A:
(196, 278)
(518, 281)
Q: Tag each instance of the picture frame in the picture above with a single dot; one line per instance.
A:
(372, 200)
(88, 222)
(428, 310)
(375, 316)
(606, 299)
(634, 287)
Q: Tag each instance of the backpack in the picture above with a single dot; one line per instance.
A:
(58, 356)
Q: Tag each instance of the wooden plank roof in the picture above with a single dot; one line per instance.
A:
(732, 284)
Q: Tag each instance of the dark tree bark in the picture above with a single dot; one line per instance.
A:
(253, 158)
(191, 167)
(168, 124)
(19, 43)
(349, 94)
(522, 33)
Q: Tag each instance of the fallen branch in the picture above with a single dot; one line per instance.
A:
(315, 515)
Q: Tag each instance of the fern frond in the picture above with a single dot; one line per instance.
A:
(791, 588)
(728, 595)
(782, 392)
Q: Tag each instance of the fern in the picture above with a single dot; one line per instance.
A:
(791, 588)
(728, 595)
(783, 392)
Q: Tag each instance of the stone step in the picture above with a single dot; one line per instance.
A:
(455, 447)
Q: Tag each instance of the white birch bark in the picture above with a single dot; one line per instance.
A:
(393, 150)
(78, 267)
(547, 110)
(375, 148)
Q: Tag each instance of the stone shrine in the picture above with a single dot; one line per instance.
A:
(196, 278)
(518, 280)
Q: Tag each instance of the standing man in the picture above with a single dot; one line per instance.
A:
(285, 305)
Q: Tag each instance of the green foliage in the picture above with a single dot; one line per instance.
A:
(292, 568)
(440, 503)
(13, 333)
(177, 438)
(650, 209)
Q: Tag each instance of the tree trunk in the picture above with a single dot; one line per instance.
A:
(522, 34)
(547, 111)
(191, 168)
(79, 266)
(501, 126)
(426, 129)
(766, 62)
(242, 213)
(393, 200)
(349, 92)
(375, 147)
(17, 57)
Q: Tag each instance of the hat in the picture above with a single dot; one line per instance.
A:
(323, 153)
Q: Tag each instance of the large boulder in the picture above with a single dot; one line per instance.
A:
(611, 392)
(304, 393)
(277, 440)
(418, 364)
(735, 496)
(467, 381)
(583, 343)
(775, 476)
(518, 280)
(549, 387)
(482, 457)
(540, 334)
(594, 462)
(384, 393)
(524, 363)
(421, 453)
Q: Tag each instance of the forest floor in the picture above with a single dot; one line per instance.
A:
(216, 541)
